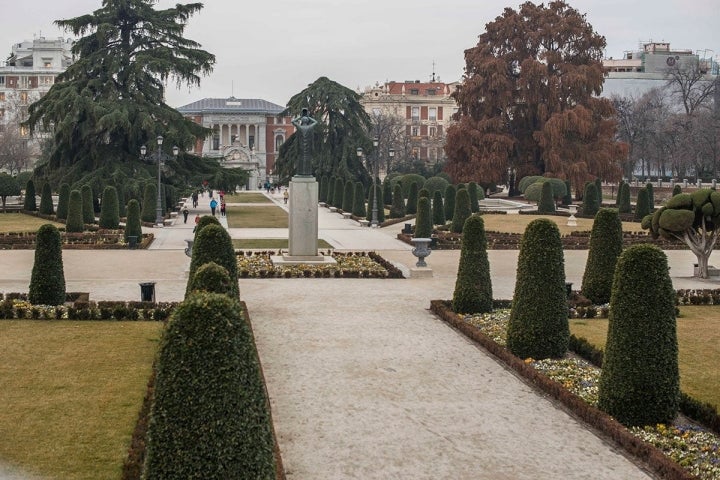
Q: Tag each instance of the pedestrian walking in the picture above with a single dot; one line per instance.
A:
(286, 195)
(222, 209)
(213, 206)
(195, 199)
(185, 213)
(197, 221)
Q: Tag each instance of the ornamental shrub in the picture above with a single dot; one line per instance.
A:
(567, 198)
(606, 243)
(449, 199)
(387, 193)
(639, 382)
(359, 200)
(423, 193)
(438, 210)
(30, 203)
(109, 210)
(210, 417)
(87, 204)
(47, 281)
(133, 226)
(348, 193)
(211, 278)
(423, 221)
(408, 179)
(651, 197)
(338, 193)
(642, 206)
(397, 210)
(590, 200)
(473, 287)
(74, 222)
(46, 201)
(527, 181)
(213, 244)
(547, 202)
(538, 326)
(323, 189)
(598, 191)
(63, 201)
(331, 190)
(474, 201)
(435, 184)
(619, 189)
(205, 220)
(148, 204)
(412, 199)
(677, 190)
(624, 205)
(462, 210)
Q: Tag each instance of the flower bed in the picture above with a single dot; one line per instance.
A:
(252, 264)
(694, 451)
(19, 308)
(101, 239)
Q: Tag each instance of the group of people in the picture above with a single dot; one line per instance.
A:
(213, 204)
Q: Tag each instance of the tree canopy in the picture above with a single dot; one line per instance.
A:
(343, 126)
(529, 100)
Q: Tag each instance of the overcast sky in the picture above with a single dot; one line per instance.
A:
(274, 49)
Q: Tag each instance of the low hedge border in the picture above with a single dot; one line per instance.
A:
(600, 421)
(17, 308)
(91, 240)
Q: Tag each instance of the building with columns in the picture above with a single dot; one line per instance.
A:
(246, 133)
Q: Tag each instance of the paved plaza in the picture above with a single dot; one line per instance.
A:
(363, 381)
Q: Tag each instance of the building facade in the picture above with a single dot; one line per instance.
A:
(27, 75)
(424, 108)
(246, 133)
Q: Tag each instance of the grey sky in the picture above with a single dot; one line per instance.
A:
(274, 49)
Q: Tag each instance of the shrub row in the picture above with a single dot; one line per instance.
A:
(14, 308)
(101, 239)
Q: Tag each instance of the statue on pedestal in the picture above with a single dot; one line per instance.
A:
(305, 124)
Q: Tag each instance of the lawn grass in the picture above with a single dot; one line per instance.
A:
(247, 197)
(269, 243)
(257, 216)
(698, 329)
(517, 223)
(20, 222)
(71, 392)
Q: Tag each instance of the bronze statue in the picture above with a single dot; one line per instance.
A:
(305, 124)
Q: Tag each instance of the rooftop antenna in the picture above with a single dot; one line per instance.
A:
(433, 71)
(232, 88)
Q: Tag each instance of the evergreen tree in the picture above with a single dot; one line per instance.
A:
(338, 192)
(397, 210)
(474, 201)
(109, 210)
(677, 190)
(462, 210)
(423, 221)
(567, 198)
(424, 192)
(331, 191)
(473, 287)
(211, 278)
(619, 189)
(651, 197)
(323, 189)
(449, 202)
(438, 209)
(547, 202)
(590, 200)
(606, 243)
(624, 205)
(358, 209)
(87, 204)
(642, 206)
(30, 200)
(213, 244)
(538, 326)
(387, 188)
(122, 209)
(74, 222)
(205, 220)
(148, 204)
(63, 200)
(133, 226)
(639, 383)
(598, 191)
(47, 281)
(348, 193)
(411, 207)
(46, 201)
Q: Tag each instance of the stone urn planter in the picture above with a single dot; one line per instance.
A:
(421, 250)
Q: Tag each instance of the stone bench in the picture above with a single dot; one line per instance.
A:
(173, 215)
(364, 223)
(347, 215)
(333, 209)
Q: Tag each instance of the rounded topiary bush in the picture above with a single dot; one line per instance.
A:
(639, 382)
(149, 204)
(408, 179)
(63, 201)
(590, 204)
(46, 201)
(423, 193)
(547, 202)
(109, 210)
(213, 244)
(133, 226)
(462, 210)
(642, 206)
(47, 281)
(210, 416)
(677, 190)
(397, 210)
(606, 243)
(74, 222)
(348, 194)
(87, 204)
(204, 221)
(435, 184)
(538, 326)
(358, 209)
(473, 287)
(438, 209)
(525, 182)
(211, 278)
(412, 198)
(449, 199)
(30, 203)
(423, 221)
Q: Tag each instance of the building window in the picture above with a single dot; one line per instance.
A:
(2, 112)
(415, 131)
(414, 91)
(432, 114)
(251, 141)
(433, 132)
(2, 96)
(430, 91)
(24, 131)
(216, 141)
(24, 81)
(279, 140)
(47, 62)
(415, 116)
(2, 80)
(23, 98)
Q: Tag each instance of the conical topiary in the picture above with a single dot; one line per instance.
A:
(387, 190)
(642, 206)
(63, 201)
(338, 193)
(462, 210)
(438, 209)
(598, 191)
(606, 243)
(211, 278)
(348, 194)
(397, 210)
(590, 200)
(651, 197)
(472, 189)
(358, 209)
(213, 244)
(411, 207)
(423, 222)
(47, 281)
(122, 207)
(449, 199)
(46, 201)
(149, 203)
(330, 190)
(109, 210)
(617, 197)
(424, 192)
(567, 198)
(204, 221)
(30, 204)
(639, 383)
(624, 205)
(677, 190)
(322, 197)
(74, 222)
(133, 226)
(547, 202)
(87, 204)
(538, 326)
(473, 287)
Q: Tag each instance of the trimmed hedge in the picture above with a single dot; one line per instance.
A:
(408, 179)
(87, 204)
(205, 220)
(47, 281)
(109, 210)
(323, 189)
(435, 184)
(547, 202)
(462, 210)
(606, 244)
(338, 193)
(46, 201)
(423, 222)
(331, 191)
(590, 200)
(412, 198)
(149, 203)
(211, 278)
(397, 210)
(133, 226)
(213, 244)
(438, 210)
(640, 383)
(358, 208)
(63, 202)
(538, 326)
(449, 199)
(348, 194)
(387, 190)
(30, 203)
(642, 206)
(624, 205)
(210, 417)
(474, 200)
(74, 222)
(473, 287)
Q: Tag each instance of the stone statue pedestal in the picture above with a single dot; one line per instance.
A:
(303, 222)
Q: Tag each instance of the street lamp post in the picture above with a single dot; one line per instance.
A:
(159, 157)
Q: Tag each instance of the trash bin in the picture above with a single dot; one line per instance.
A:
(147, 292)
(132, 242)
(408, 229)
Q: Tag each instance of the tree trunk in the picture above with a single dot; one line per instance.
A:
(703, 260)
